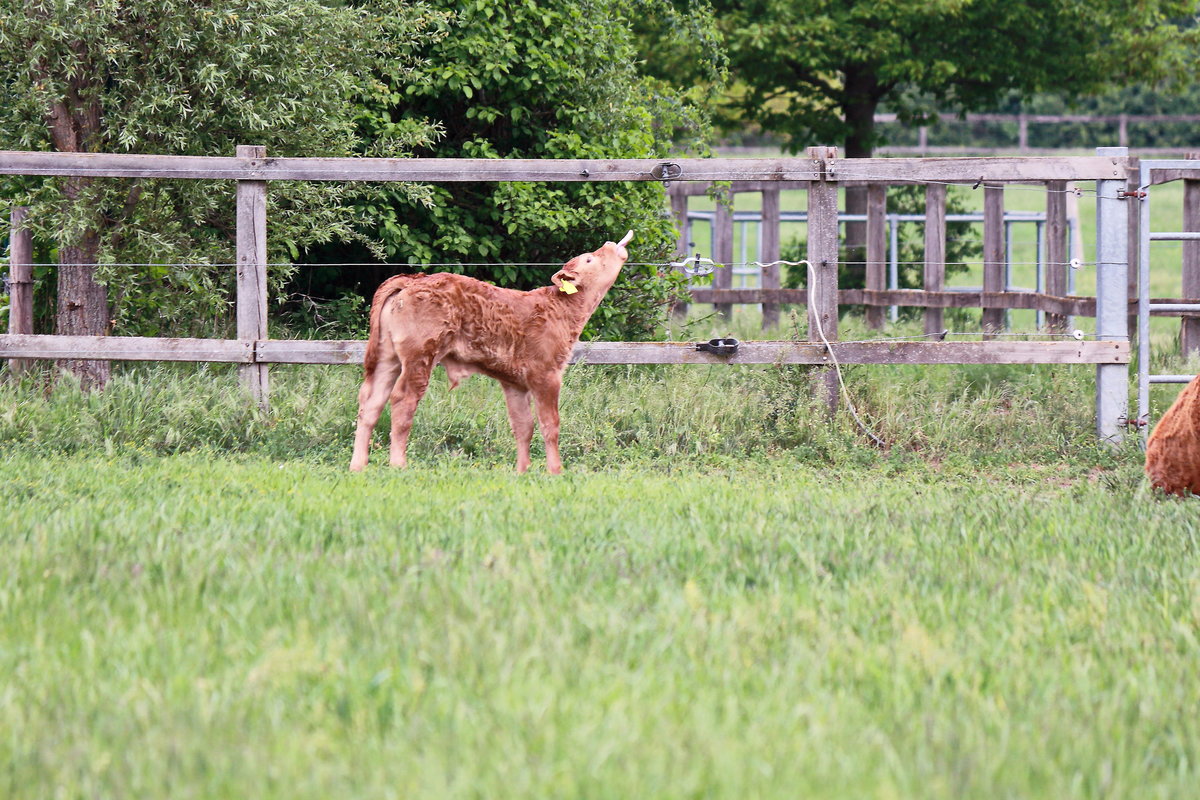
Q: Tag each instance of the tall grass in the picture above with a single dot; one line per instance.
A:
(664, 415)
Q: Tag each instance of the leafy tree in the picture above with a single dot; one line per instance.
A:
(194, 77)
(816, 71)
(556, 79)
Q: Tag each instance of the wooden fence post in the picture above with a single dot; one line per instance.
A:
(935, 252)
(770, 252)
(20, 281)
(1189, 328)
(1133, 223)
(876, 277)
(1056, 250)
(822, 279)
(252, 271)
(679, 210)
(723, 248)
(993, 255)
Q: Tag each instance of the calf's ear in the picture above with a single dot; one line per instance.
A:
(568, 274)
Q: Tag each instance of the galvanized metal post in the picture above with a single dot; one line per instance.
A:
(1112, 304)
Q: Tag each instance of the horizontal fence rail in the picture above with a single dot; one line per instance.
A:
(283, 351)
(873, 170)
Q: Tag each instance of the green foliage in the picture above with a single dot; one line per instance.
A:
(193, 78)
(535, 80)
(815, 71)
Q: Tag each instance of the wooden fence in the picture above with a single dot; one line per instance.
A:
(821, 174)
(996, 295)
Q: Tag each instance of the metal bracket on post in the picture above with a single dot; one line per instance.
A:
(1112, 305)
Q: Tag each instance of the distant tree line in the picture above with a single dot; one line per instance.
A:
(1136, 100)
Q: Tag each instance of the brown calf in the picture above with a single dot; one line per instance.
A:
(522, 339)
(1173, 449)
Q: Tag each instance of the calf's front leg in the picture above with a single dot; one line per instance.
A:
(520, 417)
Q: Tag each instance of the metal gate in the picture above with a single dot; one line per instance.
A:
(1181, 169)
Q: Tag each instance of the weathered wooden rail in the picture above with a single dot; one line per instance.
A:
(821, 174)
(286, 351)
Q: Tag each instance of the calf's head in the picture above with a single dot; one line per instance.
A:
(593, 273)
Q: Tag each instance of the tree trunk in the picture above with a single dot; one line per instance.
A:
(82, 303)
(75, 123)
(861, 101)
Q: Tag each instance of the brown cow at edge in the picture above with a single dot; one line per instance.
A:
(522, 339)
(1173, 449)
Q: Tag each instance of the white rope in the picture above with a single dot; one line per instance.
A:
(816, 316)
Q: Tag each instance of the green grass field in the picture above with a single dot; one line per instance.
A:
(727, 595)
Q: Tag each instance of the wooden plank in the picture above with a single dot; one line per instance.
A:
(879, 170)
(129, 348)
(281, 351)
(935, 251)
(1133, 248)
(877, 240)
(993, 254)
(770, 252)
(252, 271)
(822, 280)
(1076, 306)
(1032, 301)
(1189, 331)
(976, 170)
(20, 280)
(823, 251)
(1056, 265)
(915, 298)
(120, 165)
(699, 188)
(723, 248)
(125, 348)
(993, 352)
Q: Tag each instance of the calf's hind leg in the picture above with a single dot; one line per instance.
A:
(546, 397)
(371, 398)
(410, 388)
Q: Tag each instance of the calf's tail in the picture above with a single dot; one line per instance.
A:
(385, 291)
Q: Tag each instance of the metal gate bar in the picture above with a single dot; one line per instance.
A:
(1145, 379)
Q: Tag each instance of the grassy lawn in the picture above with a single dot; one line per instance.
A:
(727, 595)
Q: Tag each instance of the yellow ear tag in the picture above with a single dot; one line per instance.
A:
(566, 287)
